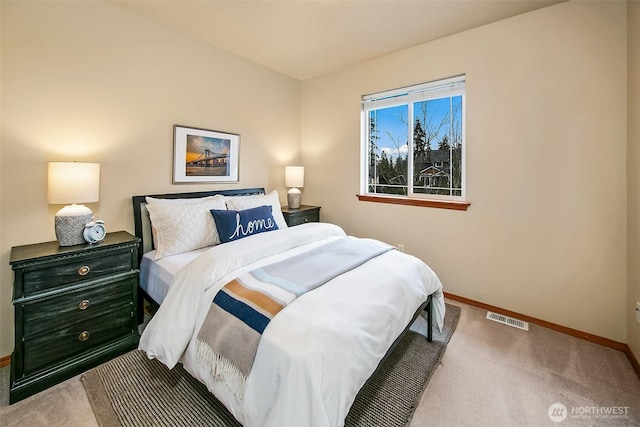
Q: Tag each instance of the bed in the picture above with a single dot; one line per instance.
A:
(319, 350)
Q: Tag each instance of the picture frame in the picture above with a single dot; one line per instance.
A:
(204, 156)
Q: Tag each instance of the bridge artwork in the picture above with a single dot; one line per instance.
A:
(209, 158)
(202, 155)
(208, 163)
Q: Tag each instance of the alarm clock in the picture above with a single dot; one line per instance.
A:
(94, 231)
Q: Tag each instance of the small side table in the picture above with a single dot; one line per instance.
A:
(302, 215)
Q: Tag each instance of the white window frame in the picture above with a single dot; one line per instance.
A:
(453, 86)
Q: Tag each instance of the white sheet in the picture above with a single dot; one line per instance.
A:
(156, 276)
(315, 355)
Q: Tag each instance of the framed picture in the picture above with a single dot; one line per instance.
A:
(201, 155)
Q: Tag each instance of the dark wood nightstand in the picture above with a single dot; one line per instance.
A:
(301, 215)
(75, 307)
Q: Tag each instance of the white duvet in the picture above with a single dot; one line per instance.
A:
(316, 354)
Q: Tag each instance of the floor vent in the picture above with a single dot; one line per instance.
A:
(509, 321)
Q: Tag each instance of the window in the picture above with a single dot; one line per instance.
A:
(413, 142)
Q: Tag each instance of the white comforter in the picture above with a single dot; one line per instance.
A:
(314, 356)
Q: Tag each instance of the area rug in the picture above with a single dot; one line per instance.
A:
(133, 391)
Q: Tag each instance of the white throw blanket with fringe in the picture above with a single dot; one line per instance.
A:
(242, 309)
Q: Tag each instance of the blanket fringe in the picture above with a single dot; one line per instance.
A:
(221, 369)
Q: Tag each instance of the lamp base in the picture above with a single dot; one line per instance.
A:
(294, 198)
(70, 222)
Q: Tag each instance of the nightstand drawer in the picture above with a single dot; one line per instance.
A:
(304, 218)
(83, 268)
(46, 315)
(64, 343)
(302, 215)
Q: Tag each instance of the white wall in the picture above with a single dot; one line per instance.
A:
(89, 81)
(633, 168)
(545, 234)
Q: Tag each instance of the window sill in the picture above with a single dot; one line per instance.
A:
(425, 203)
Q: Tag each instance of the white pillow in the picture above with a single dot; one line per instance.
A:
(239, 203)
(183, 225)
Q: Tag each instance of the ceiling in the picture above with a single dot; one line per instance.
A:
(306, 38)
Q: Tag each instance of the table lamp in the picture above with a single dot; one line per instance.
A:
(294, 177)
(70, 183)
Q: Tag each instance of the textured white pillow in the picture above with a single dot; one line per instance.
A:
(182, 225)
(239, 203)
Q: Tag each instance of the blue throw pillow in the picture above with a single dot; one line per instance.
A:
(234, 225)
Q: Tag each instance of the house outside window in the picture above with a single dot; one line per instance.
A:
(413, 141)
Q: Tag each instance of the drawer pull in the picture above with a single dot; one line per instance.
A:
(84, 335)
(84, 304)
(84, 270)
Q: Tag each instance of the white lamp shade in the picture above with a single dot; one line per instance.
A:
(72, 182)
(294, 176)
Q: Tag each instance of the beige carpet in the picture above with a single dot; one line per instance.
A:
(496, 375)
(490, 375)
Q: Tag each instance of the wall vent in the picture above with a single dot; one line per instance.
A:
(509, 321)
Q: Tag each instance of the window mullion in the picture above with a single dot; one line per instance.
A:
(451, 146)
(375, 163)
(367, 130)
(410, 149)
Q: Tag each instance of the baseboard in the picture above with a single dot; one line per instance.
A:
(5, 361)
(633, 360)
(553, 326)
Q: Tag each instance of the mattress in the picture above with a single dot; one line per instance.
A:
(156, 276)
